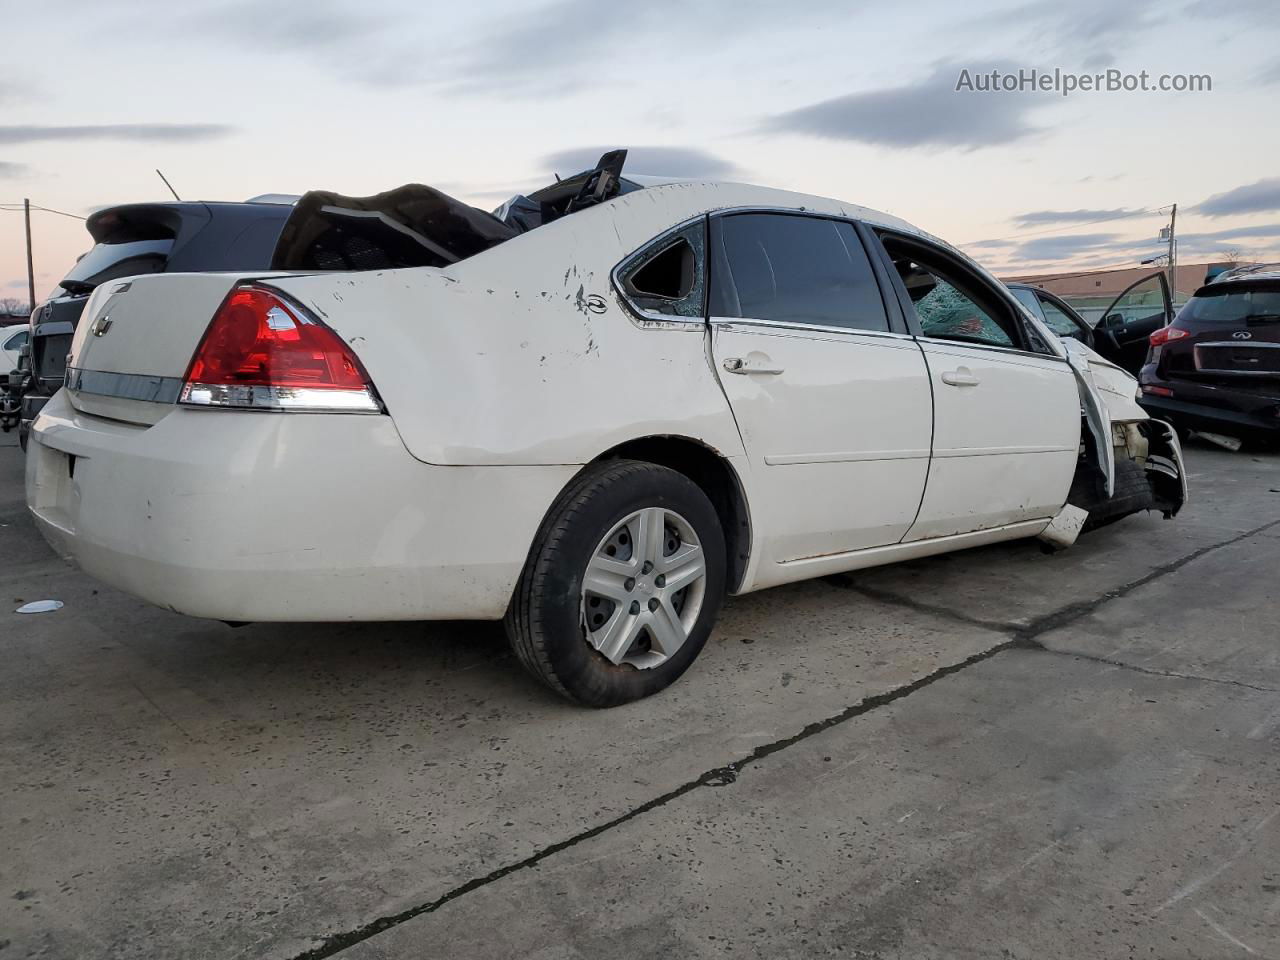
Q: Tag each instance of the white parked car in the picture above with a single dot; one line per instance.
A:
(12, 339)
(593, 415)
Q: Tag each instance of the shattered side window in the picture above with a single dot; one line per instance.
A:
(669, 277)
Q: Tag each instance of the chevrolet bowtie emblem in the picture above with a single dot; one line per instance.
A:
(101, 325)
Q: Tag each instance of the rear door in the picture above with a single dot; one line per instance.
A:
(1141, 309)
(830, 392)
(1006, 429)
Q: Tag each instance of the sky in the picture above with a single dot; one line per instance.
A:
(853, 100)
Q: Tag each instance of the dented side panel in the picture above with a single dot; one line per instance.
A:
(531, 360)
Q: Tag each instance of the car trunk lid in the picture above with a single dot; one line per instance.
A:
(135, 341)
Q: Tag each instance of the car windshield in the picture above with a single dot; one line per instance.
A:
(1234, 305)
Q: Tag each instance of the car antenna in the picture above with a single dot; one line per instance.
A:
(169, 185)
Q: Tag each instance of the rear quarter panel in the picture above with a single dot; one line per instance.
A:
(525, 354)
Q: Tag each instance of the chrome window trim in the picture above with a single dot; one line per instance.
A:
(994, 348)
(728, 323)
(796, 326)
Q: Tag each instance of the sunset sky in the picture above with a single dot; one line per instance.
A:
(485, 99)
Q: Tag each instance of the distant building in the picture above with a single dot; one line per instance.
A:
(1092, 291)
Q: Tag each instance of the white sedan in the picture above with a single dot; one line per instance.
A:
(592, 414)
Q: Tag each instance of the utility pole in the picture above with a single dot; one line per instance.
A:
(31, 273)
(1173, 255)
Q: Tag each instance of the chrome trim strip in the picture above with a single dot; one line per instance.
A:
(1013, 351)
(126, 386)
(1232, 345)
(1000, 451)
(1240, 344)
(857, 456)
(730, 323)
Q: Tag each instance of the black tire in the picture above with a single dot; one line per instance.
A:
(1132, 495)
(544, 620)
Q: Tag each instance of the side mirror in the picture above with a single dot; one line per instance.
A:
(1113, 321)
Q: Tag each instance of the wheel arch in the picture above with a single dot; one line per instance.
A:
(714, 475)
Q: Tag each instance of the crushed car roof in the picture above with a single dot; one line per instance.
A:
(416, 225)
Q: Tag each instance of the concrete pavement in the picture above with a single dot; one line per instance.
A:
(995, 753)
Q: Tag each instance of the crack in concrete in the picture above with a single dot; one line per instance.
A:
(1152, 672)
(846, 582)
(1020, 637)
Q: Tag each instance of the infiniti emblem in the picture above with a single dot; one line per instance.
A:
(101, 325)
(1242, 335)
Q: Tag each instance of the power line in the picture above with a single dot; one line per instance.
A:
(17, 208)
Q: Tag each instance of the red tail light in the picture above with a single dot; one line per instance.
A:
(262, 352)
(1165, 334)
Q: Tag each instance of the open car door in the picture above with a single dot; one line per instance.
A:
(1143, 308)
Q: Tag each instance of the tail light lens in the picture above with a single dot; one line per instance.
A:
(1165, 334)
(263, 353)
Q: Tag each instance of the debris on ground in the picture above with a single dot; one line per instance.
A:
(40, 606)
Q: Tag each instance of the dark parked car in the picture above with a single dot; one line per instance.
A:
(177, 237)
(1121, 336)
(1216, 368)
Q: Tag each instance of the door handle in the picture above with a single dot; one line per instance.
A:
(738, 365)
(960, 377)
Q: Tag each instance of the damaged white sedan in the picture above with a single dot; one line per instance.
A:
(592, 414)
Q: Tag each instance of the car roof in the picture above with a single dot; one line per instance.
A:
(1257, 271)
(711, 195)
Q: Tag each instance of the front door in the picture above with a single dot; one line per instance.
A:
(1006, 430)
(833, 404)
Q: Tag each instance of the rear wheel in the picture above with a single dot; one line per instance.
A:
(622, 585)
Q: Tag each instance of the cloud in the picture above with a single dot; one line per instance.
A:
(1092, 28)
(1264, 12)
(10, 170)
(1264, 237)
(1090, 249)
(141, 132)
(1260, 197)
(928, 113)
(1042, 249)
(1040, 217)
(315, 25)
(661, 161)
(552, 45)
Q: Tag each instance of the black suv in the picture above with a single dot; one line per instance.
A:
(178, 237)
(1216, 368)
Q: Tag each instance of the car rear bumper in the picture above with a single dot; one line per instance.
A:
(236, 515)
